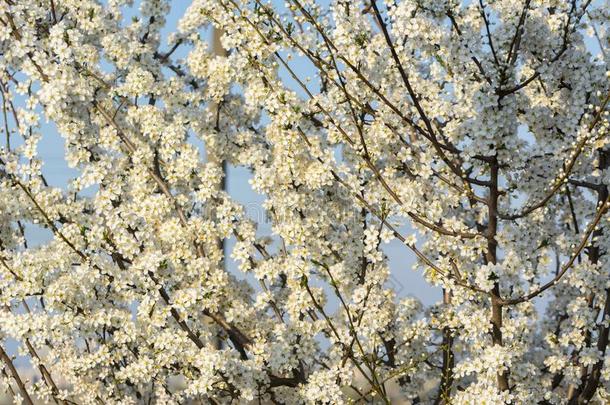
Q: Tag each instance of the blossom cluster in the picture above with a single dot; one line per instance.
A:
(474, 133)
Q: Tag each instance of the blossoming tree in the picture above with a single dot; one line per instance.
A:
(476, 133)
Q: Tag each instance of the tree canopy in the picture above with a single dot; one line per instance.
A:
(475, 133)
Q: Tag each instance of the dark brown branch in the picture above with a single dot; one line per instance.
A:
(491, 258)
(444, 392)
(8, 362)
